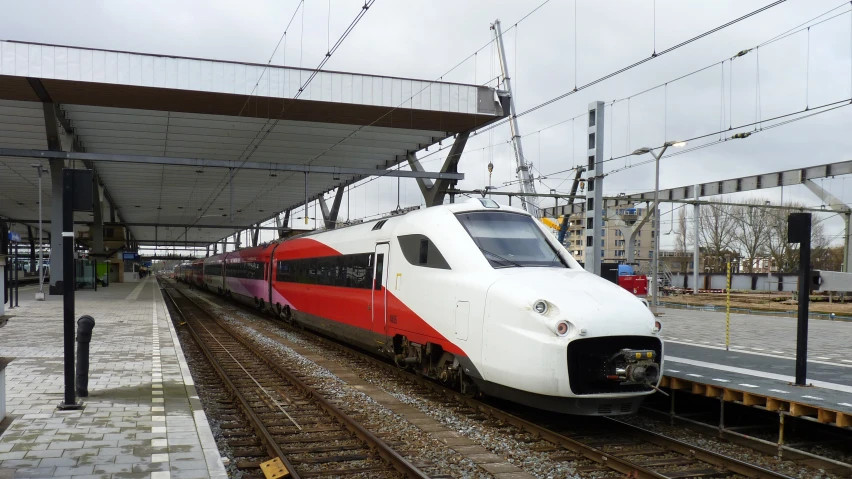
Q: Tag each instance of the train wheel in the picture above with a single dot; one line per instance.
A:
(466, 385)
(288, 314)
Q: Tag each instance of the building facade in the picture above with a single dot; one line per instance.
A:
(613, 243)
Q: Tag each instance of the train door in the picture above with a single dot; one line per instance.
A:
(380, 292)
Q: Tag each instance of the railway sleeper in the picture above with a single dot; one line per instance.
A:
(670, 461)
(251, 452)
(310, 440)
(278, 430)
(332, 448)
(326, 459)
(344, 472)
(641, 452)
(705, 472)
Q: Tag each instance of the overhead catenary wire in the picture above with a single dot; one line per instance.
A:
(633, 65)
(266, 129)
(723, 89)
(404, 101)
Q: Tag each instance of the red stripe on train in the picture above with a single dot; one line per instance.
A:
(352, 306)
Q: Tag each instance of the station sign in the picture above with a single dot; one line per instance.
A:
(130, 256)
(14, 237)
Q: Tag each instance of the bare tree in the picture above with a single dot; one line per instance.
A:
(785, 256)
(717, 228)
(753, 228)
(682, 235)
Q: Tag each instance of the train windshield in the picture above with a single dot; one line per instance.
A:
(509, 239)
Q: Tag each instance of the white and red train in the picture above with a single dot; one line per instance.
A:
(474, 294)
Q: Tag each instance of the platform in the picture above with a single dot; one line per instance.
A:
(142, 418)
(759, 368)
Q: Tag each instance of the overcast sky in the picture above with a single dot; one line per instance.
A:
(424, 39)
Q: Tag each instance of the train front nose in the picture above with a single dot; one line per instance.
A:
(569, 333)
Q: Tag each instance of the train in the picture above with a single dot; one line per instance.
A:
(473, 294)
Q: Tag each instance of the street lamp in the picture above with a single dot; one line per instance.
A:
(656, 262)
(40, 295)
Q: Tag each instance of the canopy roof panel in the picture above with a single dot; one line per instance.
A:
(123, 103)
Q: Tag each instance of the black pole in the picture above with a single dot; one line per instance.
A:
(17, 286)
(799, 231)
(68, 278)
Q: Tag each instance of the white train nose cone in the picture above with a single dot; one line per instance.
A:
(585, 300)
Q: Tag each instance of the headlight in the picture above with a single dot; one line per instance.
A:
(563, 328)
(540, 307)
(658, 326)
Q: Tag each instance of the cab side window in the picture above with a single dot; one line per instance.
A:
(419, 250)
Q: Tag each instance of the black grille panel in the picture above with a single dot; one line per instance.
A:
(588, 368)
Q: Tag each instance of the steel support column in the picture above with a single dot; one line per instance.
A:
(696, 219)
(330, 216)
(435, 192)
(594, 189)
(97, 228)
(255, 235)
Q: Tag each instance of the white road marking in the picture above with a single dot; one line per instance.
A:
(758, 349)
(761, 374)
(844, 404)
(780, 391)
(847, 360)
(672, 371)
(721, 380)
(746, 385)
(777, 352)
(705, 342)
(689, 340)
(671, 338)
(695, 375)
(823, 357)
(722, 348)
(812, 397)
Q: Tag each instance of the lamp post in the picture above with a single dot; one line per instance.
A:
(656, 260)
(40, 295)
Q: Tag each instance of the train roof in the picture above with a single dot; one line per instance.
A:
(472, 204)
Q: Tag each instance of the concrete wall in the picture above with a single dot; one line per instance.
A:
(740, 281)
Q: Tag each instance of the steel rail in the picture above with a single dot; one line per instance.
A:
(710, 457)
(386, 452)
(265, 436)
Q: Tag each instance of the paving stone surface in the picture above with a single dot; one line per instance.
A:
(142, 418)
(827, 340)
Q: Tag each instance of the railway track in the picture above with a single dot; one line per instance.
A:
(596, 446)
(276, 423)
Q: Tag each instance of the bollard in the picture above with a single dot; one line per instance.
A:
(84, 336)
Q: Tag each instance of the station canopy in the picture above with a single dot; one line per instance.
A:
(165, 134)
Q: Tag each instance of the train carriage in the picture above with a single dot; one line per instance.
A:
(474, 294)
(212, 271)
(477, 294)
(195, 273)
(246, 275)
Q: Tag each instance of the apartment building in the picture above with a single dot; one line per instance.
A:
(613, 243)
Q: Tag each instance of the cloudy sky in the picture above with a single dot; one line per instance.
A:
(425, 39)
